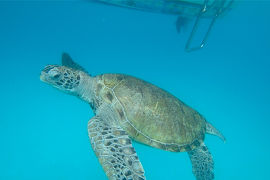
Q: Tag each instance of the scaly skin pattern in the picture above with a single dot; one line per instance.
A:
(149, 114)
(114, 151)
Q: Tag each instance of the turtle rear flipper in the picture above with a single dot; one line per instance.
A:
(210, 129)
(202, 163)
(114, 150)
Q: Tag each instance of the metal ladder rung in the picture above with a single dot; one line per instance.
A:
(204, 9)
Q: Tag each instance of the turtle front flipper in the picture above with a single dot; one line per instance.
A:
(202, 163)
(114, 150)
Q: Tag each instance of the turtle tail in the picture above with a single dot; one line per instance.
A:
(210, 129)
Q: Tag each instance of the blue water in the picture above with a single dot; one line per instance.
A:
(43, 131)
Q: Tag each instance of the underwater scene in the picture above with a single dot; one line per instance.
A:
(188, 81)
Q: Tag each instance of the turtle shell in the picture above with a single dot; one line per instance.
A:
(151, 115)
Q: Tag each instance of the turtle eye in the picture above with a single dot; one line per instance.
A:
(56, 76)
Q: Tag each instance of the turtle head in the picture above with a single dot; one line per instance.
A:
(66, 78)
(61, 77)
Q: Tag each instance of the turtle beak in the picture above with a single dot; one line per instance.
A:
(45, 71)
(43, 76)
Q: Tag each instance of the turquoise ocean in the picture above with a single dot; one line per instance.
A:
(43, 132)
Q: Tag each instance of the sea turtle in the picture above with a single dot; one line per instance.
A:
(129, 108)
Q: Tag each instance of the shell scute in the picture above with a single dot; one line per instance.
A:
(151, 115)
